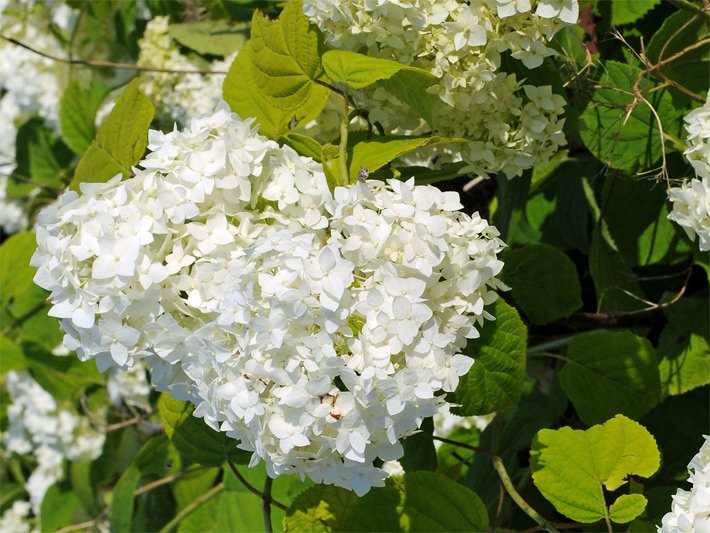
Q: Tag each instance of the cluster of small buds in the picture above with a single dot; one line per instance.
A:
(314, 327)
(690, 511)
(41, 427)
(691, 200)
(178, 95)
(512, 126)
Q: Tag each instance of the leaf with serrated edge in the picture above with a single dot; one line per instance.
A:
(496, 378)
(571, 467)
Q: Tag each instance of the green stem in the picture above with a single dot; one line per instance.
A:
(266, 505)
(187, 510)
(677, 143)
(343, 148)
(517, 498)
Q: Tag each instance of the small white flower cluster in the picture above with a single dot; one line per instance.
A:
(29, 84)
(16, 519)
(179, 96)
(691, 509)
(39, 426)
(512, 125)
(129, 386)
(691, 201)
(316, 328)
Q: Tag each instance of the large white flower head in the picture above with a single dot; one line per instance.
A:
(690, 512)
(512, 126)
(316, 328)
(691, 200)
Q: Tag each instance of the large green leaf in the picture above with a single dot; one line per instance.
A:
(58, 507)
(683, 347)
(375, 153)
(120, 141)
(610, 372)
(496, 378)
(618, 127)
(626, 11)
(419, 501)
(358, 71)
(122, 502)
(286, 57)
(42, 160)
(11, 356)
(419, 449)
(15, 271)
(195, 440)
(77, 111)
(572, 467)
(410, 86)
(679, 31)
(215, 37)
(544, 282)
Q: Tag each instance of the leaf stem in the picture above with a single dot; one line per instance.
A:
(517, 498)
(251, 488)
(189, 509)
(266, 505)
(343, 148)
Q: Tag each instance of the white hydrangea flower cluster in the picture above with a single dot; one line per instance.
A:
(38, 425)
(17, 518)
(316, 328)
(180, 96)
(512, 125)
(691, 509)
(691, 201)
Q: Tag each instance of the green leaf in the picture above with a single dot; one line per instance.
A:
(318, 509)
(58, 507)
(41, 156)
(419, 449)
(80, 475)
(153, 456)
(379, 151)
(120, 141)
(683, 347)
(544, 282)
(630, 142)
(627, 11)
(427, 176)
(63, 377)
(194, 439)
(214, 37)
(677, 32)
(496, 378)
(410, 86)
(286, 58)
(418, 501)
(122, 502)
(610, 372)
(247, 98)
(627, 507)
(11, 357)
(641, 228)
(77, 111)
(15, 271)
(358, 71)
(304, 145)
(572, 467)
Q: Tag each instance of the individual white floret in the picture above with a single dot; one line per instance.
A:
(690, 512)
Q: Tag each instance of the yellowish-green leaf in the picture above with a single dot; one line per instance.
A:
(286, 57)
(377, 152)
(120, 141)
(571, 468)
(77, 111)
(627, 507)
(358, 71)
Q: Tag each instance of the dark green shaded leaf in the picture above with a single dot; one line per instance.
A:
(214, 37)
(419, 449)
(122, 502)
(544, 282)
(58, 507)
(610, 372)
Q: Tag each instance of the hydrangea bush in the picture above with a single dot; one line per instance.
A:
(392, 265)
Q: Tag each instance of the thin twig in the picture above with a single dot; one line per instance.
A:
(164, 481)
(109, 64)
(266, 505)
(252, 488)
(189, 509)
